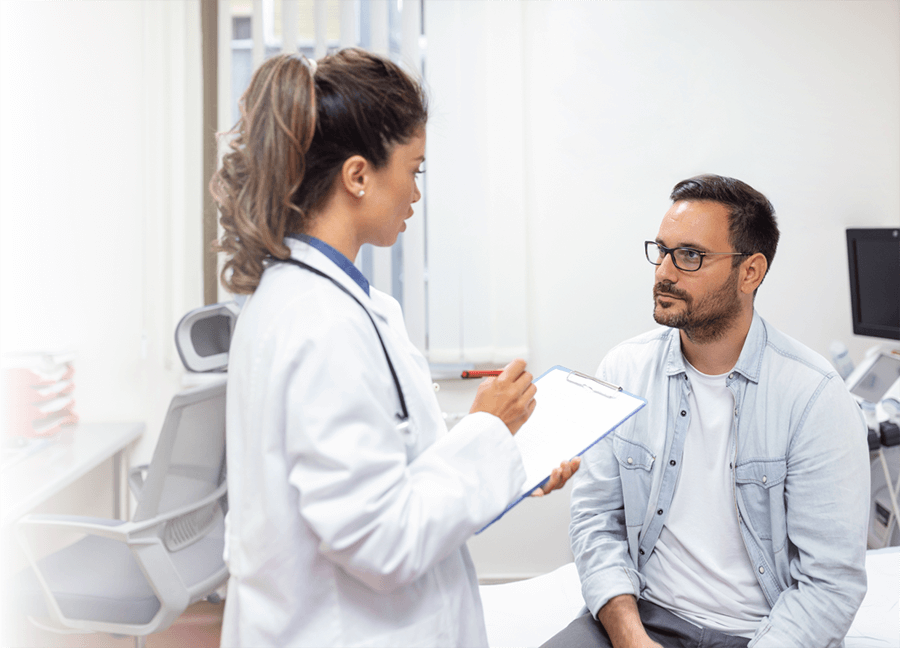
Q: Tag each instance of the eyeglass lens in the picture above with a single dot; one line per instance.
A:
(684, 258)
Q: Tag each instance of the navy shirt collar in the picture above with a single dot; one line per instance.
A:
(339, 259)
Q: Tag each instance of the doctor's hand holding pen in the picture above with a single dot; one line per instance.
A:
(509, 395)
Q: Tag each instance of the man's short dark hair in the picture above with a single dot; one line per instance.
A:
(751, 220)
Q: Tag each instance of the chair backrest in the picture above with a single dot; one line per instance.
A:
(189, 461)
(203, 336)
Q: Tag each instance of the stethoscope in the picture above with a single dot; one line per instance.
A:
(403, 415)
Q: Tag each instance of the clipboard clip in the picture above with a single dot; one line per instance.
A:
(593, 384)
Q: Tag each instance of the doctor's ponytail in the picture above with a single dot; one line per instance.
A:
(300, 120)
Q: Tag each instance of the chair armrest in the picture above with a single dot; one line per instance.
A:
(128, 532)
(149, 552)
(141, 527)
(107, 528)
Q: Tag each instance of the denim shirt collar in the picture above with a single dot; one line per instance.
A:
(339, 259)
(749, 363)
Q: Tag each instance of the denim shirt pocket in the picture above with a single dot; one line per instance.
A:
(760, 487)
(635, 464)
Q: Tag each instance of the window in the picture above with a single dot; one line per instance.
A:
(455, 275)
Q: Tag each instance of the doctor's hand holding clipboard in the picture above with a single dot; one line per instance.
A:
(515, 411)
(350, 502)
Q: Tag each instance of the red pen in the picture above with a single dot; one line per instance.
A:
(481, 374)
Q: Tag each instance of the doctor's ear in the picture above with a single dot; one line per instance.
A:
(355, 173)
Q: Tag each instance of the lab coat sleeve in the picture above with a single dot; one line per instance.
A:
(597, 530)
(827, 505)
(383, 520)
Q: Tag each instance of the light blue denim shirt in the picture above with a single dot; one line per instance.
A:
(800, 481)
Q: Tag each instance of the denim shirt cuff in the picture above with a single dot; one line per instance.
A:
(604, 584)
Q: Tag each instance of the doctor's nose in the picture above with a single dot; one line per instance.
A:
(416, 193)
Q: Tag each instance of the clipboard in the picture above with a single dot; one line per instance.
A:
(574, 411)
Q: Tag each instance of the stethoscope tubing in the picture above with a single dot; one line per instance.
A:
(403, 416)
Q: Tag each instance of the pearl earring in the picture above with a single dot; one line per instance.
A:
(361, 193)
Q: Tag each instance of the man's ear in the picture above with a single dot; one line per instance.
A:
(355, 175)
(753, 271)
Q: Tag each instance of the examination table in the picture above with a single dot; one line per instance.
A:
(527, 613)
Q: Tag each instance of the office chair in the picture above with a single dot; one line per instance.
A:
(137, 577)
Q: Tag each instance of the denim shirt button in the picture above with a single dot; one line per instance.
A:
(630, 460)
(730, 376)
(659, 512)
(641, 551)
(683, 413)
(672, 462)
(765, 479)
(762, 570)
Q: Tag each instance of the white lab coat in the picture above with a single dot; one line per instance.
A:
(342, 530)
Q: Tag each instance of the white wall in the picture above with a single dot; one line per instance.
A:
(100, 218)
(100, 208)
(799, 99)
(100, 196)
(622, 100)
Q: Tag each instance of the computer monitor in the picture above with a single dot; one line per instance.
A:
(874, 261)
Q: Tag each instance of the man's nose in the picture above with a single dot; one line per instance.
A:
(666, 270)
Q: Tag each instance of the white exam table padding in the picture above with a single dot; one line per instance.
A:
(527, 613)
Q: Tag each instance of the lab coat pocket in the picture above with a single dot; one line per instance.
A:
(635, 470)
(760, 489)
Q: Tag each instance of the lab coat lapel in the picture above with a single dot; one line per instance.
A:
(311, 256)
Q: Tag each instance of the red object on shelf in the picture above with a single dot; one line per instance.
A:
(37, 390)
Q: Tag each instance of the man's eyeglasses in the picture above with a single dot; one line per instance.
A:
(684, 258)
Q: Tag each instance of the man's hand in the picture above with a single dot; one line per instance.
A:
(622, 622)
(558, 477)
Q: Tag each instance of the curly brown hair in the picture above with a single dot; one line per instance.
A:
(298, 125)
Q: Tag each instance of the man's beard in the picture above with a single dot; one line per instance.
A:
(709, 319)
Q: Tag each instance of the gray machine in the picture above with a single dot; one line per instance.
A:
(884, 528)
(875, 383)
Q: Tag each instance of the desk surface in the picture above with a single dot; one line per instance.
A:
(75, 452)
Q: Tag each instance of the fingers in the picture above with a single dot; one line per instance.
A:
(558, 477)
(509, 396)
(525, 405)
(526, 402)
(513, 370)
(552, 484)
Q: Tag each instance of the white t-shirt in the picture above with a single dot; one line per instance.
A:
(699, 568)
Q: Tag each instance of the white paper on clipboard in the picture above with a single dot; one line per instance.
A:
(574, 411)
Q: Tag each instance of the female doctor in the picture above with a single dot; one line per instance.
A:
(349, 502)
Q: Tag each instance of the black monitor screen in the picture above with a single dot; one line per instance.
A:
(874, 261)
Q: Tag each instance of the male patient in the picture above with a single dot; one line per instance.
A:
(731, 510)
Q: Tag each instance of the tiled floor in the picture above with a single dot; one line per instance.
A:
(198, 627)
